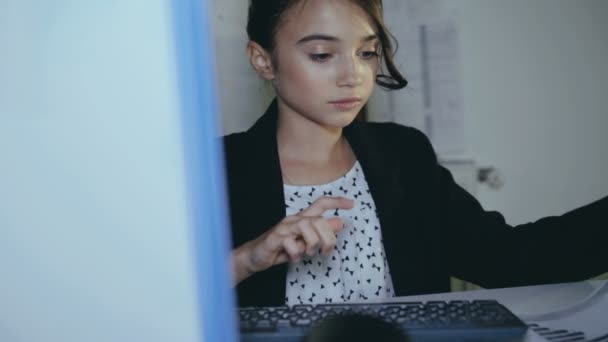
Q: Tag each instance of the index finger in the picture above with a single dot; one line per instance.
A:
(322, 204)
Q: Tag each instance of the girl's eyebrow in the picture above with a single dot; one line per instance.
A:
(329, 38)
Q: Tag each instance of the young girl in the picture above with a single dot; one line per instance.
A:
(327, 209)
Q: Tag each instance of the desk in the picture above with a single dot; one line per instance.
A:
(590, 317)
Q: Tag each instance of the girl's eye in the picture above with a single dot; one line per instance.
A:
(320, 57)
(369, 54)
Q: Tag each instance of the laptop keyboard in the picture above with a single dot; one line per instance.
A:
(479, 320)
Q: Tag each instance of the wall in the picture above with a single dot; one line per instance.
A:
(536, 101)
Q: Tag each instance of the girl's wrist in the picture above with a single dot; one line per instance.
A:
(241, 259)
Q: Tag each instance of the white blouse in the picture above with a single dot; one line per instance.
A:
(357, 269)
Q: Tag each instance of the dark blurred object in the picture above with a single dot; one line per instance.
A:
(362, 116)
(356, 328)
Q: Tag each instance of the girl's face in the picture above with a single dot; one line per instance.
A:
(327, 61)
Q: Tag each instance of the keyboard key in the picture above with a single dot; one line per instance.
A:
(303, 322)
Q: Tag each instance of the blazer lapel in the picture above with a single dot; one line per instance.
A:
(382, 178)
(266, 203)
(266, 166)
(393, 187)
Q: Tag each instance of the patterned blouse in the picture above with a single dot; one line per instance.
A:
(357, 269)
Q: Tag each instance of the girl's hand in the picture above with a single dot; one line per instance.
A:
(293, 236)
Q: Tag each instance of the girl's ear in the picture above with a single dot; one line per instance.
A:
(260, 60)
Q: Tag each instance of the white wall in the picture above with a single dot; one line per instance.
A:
(243, 95)
(536, 102)
(93, 228)
(535, 99)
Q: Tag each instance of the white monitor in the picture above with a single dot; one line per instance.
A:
(112, 211)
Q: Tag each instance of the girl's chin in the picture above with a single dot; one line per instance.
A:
(340, 120)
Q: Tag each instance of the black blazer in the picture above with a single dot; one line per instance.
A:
(431, 227)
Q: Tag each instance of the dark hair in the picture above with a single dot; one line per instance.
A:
(265, 18)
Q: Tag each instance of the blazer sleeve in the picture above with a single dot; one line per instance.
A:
(483, 249)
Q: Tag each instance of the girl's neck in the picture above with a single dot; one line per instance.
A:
(304, 141)
(310, 153)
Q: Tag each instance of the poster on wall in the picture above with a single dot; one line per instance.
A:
(428, 55)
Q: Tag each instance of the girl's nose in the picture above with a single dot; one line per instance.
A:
(350, 73)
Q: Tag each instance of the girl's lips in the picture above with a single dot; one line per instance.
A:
(346, 103)
(347, 100)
